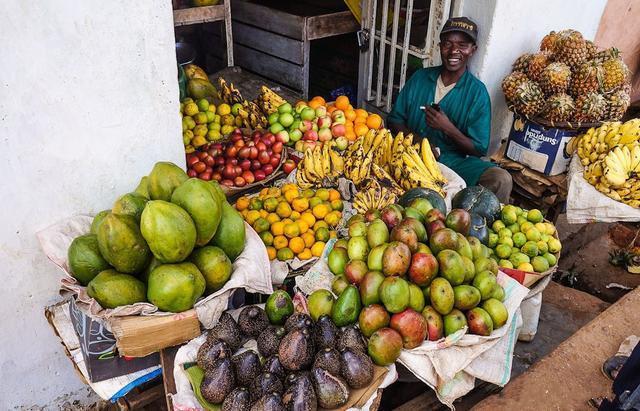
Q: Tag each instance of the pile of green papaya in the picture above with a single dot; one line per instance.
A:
(169, 242)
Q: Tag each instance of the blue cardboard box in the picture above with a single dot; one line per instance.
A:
(539, 148)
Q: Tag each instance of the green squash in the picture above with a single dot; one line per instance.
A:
(434, 198)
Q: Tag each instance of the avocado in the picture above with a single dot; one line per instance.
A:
(331, 390)
(269, 402)
(296, 350)
(278, 307)
(247, 367)
(265, 383)
(347, 307)
(273, 366)
(252, 321)
(298, 321)
(269, 340)
(350, 337)
(293, 376)
(300, 395)
(219, 381)
(325, 333)
(230, 235)
(356, 368)
(211, 350)
(329, 359)
(228, 331)
(238, 400)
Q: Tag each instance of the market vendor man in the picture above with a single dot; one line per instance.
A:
(456, 114)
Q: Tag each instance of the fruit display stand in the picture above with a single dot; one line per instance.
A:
(274, 41)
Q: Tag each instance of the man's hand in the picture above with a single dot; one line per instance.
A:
(438, 120)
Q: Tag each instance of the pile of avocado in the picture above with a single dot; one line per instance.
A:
(170, 241)
(301, 364)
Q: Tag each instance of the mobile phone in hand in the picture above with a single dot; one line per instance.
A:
(435, 106)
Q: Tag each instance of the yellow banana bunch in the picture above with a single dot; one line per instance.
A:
(591, 145)
(252, 116)
(373, 195)
(268, 100)
(228, 93)
(430, 162)
(318, 164)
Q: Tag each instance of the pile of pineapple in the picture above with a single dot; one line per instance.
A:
(569, 79)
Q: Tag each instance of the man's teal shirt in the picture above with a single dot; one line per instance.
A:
(468, 107)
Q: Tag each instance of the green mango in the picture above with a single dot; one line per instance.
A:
(169, 231)
(163, 179)
(230, 235)
(85, 260)
(175, 287)
(197, 198)
(113, 289)
(121, 243)
(347, 307)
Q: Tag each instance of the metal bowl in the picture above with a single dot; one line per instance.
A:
(185, 53)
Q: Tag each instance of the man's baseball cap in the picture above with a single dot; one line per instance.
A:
(463, 25)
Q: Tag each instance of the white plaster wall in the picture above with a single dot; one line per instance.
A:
(509, 28)
(88, 102)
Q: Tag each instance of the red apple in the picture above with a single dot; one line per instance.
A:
(192, 173)
(277, 147)
(324, 134)
(324, 122)
(338, 117)
(288, 166)
(191, 160)
(310, 135)
(245, 165)
(261, 146)
(201, 155)
(216, 176)
(338, 130)
(248, 177)
(268, 169)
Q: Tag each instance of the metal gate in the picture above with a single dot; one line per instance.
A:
(380, 76)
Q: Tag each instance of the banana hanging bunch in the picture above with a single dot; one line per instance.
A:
(597, 142)
(617, 174)
(373, 195)
(268, 100)
(252, 116)
(228, 93)
(318, 164)
(363, 153)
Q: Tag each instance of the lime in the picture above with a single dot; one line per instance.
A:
(540, 264)
(535, 216)
(530, 248)
(551, 259)
(504, 232)
(505, 264)
(503, 251)
(203, 104)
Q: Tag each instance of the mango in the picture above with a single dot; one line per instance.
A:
(196, 198)
(394, 294)
(230, 235)
(175, 287)
(337, 260)
(374, 259)
(358, 248)
(384, 346)
(169, 231)
(112, 289)
(416, 298)
(497, 311)
(377, 233)
(453, 322)
(339, 284)
(465, 297)
(486, 283)
(441, 295)
(435, 326)
(479, 321)
(278, 307)
(320, 303)
(451, 266)
(122, 244)
(372, 318)
(199, 88)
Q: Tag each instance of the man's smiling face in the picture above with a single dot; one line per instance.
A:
(455, 49)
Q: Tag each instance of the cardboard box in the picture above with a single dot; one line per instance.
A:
(538, 147)
(99, 349)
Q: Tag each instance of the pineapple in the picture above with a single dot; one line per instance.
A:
(528, 99)
(592, 50)
(510, 84)
(586, 78)
(537, 63)
(559, 107)
(616, 73)
(522, 63)
(617, 104)
(590, 107)
(548, 42)
(555, 78)
(571, 48)
(606, 54)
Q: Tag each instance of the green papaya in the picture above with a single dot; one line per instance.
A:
(113, 289)
(169, 231)
(153, 263)
(97, 220)
(197, 198)
(230, 235)
(122, 245)
(85, 260)
(347, 307)
(198, 88)
(217, 190)
(143, 187)
(214, 265)
(175, 287)
(130, 204)
(163, 179)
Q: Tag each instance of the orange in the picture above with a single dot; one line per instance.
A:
(361, 129)
(321, 211)
(300, 204)
(303, 226)
(242, 203)
(317, 248)
(267, 238)
(320, 224)
(333, 218)
(244, 213)
(261, 225)
(331, 109)
(322, 234)
(291, 230)
(320, 99)
(274, 191)
(314, 104)
(334, 194)
(333, 234)
(323, 194)
(342, 102)
(308, 238)
(271, 252)
(350, 135)
(280, 241)
(350, 115)
(277, 228)
(305, 254)
(337, 205)
(252, 216)
(294, 215)
(296, 244)
(264, 213)
(273, 218)
(348, 126)
(283, 210)
(360, 120)
(308, 217)
(374, 121)
(288, 186)
(287, 221)
(291, 195)
(360, 112)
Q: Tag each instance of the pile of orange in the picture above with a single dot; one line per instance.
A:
(359, 121)
(293, 222)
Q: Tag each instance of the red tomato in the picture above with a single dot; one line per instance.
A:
(255, 165)
(259, 175)
(274, 162)
(205, 176)
(277, 147)
(249, 177)
(268, 169)
(231, 152)
(239, 182)
(191, 160)
(227, 182)
(192, 173)
(261, 146)
(263, 157)
(245, 165)
(229, 171)
(199, 167)
(210, 161)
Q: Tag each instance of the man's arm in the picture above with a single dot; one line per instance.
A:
(439, 120)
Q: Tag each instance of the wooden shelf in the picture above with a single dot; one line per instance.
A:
(198, 15)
